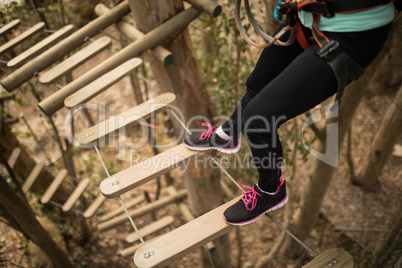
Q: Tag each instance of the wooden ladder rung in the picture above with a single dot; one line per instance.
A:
(99, 85)
(9, 26)
(142, 111)
(120, 210)
(75, 195)
(188, 216)
(90, 211)
(76, 59)
(150, 229)
(185, 239)
(53, 186)
(22, 37)
(333, 257)
(41, 46)
(32, 176)
(127, 252)
(145, 171)
(14, 157)
(142, 210)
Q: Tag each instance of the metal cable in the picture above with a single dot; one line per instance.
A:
(108, 175)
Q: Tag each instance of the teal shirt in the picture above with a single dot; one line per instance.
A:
(352, 22)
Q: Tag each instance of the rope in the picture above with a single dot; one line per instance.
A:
(108, 175)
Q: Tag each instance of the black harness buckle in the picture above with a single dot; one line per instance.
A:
(327, 51)
(326, 8)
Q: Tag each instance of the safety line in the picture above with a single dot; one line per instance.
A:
(108, 175)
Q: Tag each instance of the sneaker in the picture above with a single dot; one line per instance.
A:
(254, 204)
(208, 140)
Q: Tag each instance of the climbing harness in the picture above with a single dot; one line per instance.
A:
(344, 67)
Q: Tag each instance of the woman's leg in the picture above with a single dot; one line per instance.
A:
(272, 61)
(306, 82)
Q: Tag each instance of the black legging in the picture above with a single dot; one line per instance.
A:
(286, 82)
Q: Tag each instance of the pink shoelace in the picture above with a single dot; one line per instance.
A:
(249, 197)
(207, 134)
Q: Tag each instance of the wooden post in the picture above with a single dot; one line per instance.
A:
(382, 145)
(53, 103)
(208, 6)
(159, 52)
(20, 76)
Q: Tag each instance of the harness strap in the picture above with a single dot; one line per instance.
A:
(318, 35)
(300, 36)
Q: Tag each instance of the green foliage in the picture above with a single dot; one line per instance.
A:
(22, 135)
(14, 10)
(224, 63)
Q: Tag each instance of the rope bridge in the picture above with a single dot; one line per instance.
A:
(198, 231)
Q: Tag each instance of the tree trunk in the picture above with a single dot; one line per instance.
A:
(25, 164)
(392, 242)
(320, 177)
(184, 78)
(382, 145)
(18, 212)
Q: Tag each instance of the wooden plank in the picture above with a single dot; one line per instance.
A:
(127, 252)
(142, 210)
(184, 239)
(14, 157)
(120, 210)
(146, 170)
(99, 85)
(41, 46)
(188, 216)
(334, 257)
(75, 195)
(150, 229)
(90, 211)
(22, 37)
(58, 51)
(32, 176)
(53, 186)
(133, 115)
(9, 26)
(75, 60)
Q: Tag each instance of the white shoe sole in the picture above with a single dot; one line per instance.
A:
(222, 150)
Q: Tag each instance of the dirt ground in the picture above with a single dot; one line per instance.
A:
(344, 205)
